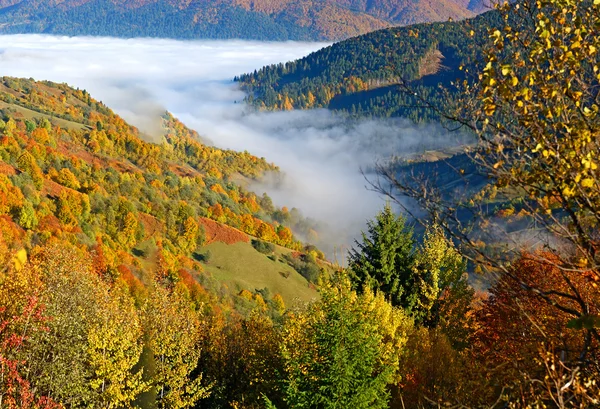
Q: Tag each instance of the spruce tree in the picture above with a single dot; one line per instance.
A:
(384, 259)
(424, 280)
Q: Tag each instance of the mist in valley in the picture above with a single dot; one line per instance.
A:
(320, 154)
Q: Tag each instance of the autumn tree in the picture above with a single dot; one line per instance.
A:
(343, 350)
(27, 163)
(22, 317)
(67, 178)
(93, 340)
(67, 205)
(534, 109)
(265, 232)
(27, 216)
(241, 357)
(114, 349)
(99, 261)
(442, 292)
(423, 280)
(58, 357)
(514, 322)
(11, 197)
(435, 372)
(173, 332)
(190, 236)
(127, 234)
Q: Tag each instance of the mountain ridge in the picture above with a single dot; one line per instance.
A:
(73, 170)
(329, 20)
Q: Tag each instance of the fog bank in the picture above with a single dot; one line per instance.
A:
(320, 154)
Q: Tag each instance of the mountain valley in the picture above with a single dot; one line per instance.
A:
(405, 218)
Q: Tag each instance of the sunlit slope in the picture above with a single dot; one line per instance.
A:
(261, 20)
(72, 170)
(361, 75)
(240, 266)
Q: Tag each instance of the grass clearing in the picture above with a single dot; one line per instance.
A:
(240, 266)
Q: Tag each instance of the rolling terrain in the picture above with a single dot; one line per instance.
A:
(329, 20)
(144, 271)
(398, 72)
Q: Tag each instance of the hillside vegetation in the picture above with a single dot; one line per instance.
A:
(138, 275)
(70, 169)
(260, 20)
(360, 76)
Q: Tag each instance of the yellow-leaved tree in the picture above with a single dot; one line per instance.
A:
(535, 111)
(114, 348)
(92, 343)
(173, 333)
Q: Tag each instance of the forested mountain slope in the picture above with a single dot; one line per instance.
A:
(361, 75)
(73, 171)
(263, 20)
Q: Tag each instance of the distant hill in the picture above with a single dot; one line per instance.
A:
(324, 20)
(360, 75)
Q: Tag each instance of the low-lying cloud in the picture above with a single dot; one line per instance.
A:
(319, 153)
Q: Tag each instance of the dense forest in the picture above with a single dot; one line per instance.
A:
(257, 20)
(116, 255)
(367, 75)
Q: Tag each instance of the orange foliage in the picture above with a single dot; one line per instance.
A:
(11, 233)
(515, 319)
(217, 188)
(264, 231)
(216, 212)
(99, 264)
(245, 294)
(220, 232)
(285, 235)
(248, 224)
(135, 286)
(50, 224)
(250, 203)
(11, 197)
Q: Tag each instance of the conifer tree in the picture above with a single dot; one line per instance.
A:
(420, 279)
(384, 258)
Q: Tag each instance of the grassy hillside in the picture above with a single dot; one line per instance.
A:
(360, 75)
(240, 266)
(261, 20)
